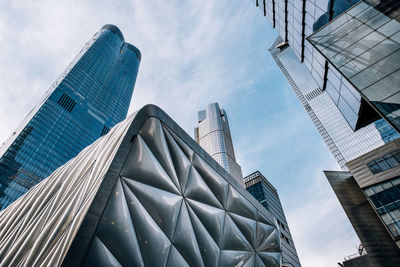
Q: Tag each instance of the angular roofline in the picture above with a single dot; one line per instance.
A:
(89, 224)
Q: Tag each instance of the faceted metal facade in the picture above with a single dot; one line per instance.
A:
(89, 98)
(143, 195)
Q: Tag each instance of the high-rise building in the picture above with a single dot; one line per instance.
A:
(143, 195)
(90, 97)
(348, 124)
(320, 51)
(265, 193)
(214, 136)
(363, 45)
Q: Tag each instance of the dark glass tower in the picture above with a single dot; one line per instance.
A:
(265, 193)
(91, 96)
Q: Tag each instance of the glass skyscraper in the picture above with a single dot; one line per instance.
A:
(91, 96)
(348, 124)
(265, 193)
(214, 136)
(363, 44)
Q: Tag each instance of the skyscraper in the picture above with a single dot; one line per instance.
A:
(214, 136)
(265, 193)
(348, 124)
(90, 97)
(144, 195)
(363, 44)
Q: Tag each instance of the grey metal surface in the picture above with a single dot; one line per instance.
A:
(162, 206)
(152, 197)
(381, 248)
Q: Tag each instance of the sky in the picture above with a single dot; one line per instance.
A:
(193, 53)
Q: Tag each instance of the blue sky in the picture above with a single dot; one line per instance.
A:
(193, 53)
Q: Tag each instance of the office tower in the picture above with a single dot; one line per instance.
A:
(214, 136)
(348, 124)
(90, 97)
(144, 195)
(363, 45)
(262, 190)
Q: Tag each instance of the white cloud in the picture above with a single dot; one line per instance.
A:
(193, 53)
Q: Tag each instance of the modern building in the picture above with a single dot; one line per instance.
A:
(370, 196)
(90, 97)
(348, 124)
(145, 194)
(265, 193)
(214, 136)
(381, 247)
(363, 45)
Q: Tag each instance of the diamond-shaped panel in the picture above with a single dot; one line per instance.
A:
(178, 206)
(158, 203)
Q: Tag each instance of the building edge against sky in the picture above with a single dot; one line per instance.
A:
(346, 128)
(349, 125)
(363, 45)
(265, 193)
(146, 194)
(87, 99)
(214, 136)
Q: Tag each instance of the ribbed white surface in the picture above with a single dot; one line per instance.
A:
(50, 214)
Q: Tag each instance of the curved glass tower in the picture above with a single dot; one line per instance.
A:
(214, 136)
(91, 96)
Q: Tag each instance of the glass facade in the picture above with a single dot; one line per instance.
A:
(384, 163)
(344, 143)
(90, 97)
(385, 198)
(262, 190)
(363, 44)
(348, 124)
(214, 136)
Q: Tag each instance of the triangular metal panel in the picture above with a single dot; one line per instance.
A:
(153, 135)
(152, 240)
(212, 179)
(212, 218)
(163, 206)
(100, 256)
(116, 229)
(250, 261)
(181, 162)
(234, 257)
(270, 258)
(267, 238)
(258, 262)
(185, 148)
(233, 238)
(142, 166)
(239, 205)
(175, 258)
(247, 227)
(197, 189)
(209, 249)
(185, 240)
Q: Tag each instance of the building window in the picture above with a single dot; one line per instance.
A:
(384, 163)
(66, 102)
(385, 197)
